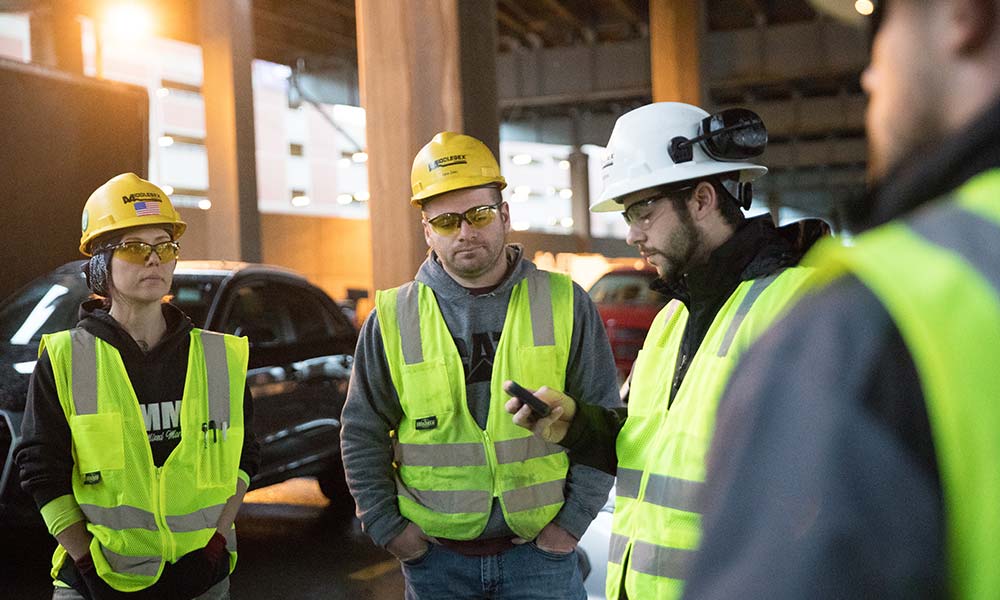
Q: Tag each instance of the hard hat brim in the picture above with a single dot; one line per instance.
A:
(611, 197)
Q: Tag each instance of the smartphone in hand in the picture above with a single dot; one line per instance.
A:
(538, 407)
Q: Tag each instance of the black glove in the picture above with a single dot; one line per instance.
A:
(197, 571)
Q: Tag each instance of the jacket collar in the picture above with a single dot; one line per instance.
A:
(756, 249)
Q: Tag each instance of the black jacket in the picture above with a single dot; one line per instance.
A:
(755, 250)
(44, 454)
(823, 482)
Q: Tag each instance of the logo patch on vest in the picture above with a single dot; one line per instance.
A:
(426, 423)
(92, 478)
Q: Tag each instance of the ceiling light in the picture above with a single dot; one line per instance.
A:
(167, 189)
(344, 198)
(565, 193)
(566, 222)
(127, 20)
(344, 162)
(864, 7)
(522, 190)
(301, 200)
(162, 92)
(520, 225)
(564, 165)
(362, 196)
(521, 159)
(205, 204)
(165, 140)
(360, 157)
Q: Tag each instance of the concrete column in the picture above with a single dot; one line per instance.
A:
(579, 178)
(227, 52)
(674, 33)
(424, 66)
(56, 37)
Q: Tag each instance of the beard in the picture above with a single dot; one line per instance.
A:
(682, 246)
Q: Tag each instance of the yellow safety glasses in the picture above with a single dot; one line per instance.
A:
(477, 216)
(138, 253)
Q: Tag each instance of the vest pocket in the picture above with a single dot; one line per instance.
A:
(98, 442)
(651, 378)
(538, 367)
(427, 390)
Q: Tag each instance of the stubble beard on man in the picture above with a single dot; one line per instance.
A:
(475, 269)
(682, 246)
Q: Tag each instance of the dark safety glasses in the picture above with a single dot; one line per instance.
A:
(640, 213)
(477, 216)
(138, 253)
(733, 134)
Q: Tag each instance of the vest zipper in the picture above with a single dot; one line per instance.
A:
(491, 461)
(166, 541)
(677, 378)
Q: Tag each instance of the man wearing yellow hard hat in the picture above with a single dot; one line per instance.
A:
(141, 507)
(472, 505)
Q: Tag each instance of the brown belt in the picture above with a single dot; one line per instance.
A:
(481, 547)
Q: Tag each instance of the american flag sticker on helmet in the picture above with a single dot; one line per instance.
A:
(146, 208)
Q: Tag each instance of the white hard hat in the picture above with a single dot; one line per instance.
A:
(639, 153)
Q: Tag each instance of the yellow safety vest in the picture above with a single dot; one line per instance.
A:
(661, 453)
(448, 470)
(938, 275)
(142, 515)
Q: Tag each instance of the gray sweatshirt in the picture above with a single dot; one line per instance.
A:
(475, 322)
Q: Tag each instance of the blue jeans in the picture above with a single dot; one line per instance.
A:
(524, 572)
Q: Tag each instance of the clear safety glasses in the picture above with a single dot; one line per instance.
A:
(641, 213)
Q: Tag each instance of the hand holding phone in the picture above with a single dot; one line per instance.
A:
(538, 406)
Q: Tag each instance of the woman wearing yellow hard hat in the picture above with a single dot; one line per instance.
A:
(138, 444)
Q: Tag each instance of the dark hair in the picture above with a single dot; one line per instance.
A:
(729, 206)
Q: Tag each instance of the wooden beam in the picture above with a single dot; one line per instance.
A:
(674, 27)
(625, 10)
(586, 32)
(332, 37)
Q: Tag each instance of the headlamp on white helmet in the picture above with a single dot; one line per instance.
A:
(670, 143)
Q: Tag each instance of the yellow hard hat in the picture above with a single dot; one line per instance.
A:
(126, 201)
(452, 161)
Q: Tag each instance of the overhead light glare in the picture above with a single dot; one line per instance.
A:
(205, 204)
(344, 198)
(360, 157)
(301, 200)
(864, 7)
(165, 140)
(362, 196)
(130, 20)
(565, 193)
(521, 159)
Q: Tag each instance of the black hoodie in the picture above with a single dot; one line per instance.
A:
(44, 454)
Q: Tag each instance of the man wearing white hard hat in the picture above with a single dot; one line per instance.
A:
(669, 170)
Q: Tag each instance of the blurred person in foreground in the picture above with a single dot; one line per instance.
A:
(137, 436)
(669, 168)
(473, 506)
(858, 450)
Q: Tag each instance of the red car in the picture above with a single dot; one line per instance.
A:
(627, 307)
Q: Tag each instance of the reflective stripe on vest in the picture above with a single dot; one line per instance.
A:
(661, 452)
(114, 480)
(446, 464)
(938, 275)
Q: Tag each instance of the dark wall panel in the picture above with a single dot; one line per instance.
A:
(60, 138)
